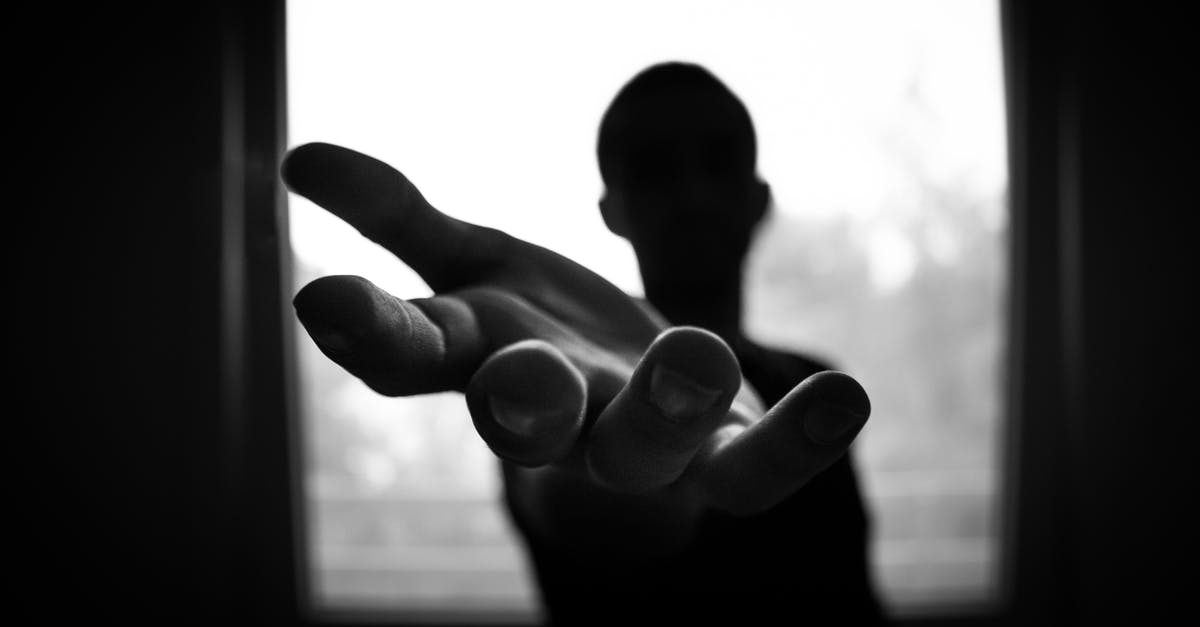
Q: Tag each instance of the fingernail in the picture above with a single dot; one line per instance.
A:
(677, 396)
(826, 423)
(519, 417)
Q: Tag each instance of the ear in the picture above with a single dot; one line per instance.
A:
(760, 200)
(613, 212)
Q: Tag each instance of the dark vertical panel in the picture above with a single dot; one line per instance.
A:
(1037, 546)
(147, 493)
(1136, 481)
(271, 569)
(1103, 145)
(124, 215)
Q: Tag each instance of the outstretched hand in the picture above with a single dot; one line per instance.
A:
(598, 404)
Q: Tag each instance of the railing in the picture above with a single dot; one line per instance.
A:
(935, 542)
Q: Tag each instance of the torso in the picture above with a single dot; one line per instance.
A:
(805, 557)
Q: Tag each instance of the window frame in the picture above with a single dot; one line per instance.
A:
(258, 329)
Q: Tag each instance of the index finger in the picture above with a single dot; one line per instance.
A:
(387, 208)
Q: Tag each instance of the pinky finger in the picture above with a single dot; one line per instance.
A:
(748, 470)
(527, 402)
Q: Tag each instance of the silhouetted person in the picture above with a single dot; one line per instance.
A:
(677, 156)
(659, 465)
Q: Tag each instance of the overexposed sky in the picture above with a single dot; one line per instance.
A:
(491, 108)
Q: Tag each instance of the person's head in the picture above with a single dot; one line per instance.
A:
(677, 153)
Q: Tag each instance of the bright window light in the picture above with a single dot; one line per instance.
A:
(881, 132)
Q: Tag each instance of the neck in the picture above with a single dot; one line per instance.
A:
(714, 304)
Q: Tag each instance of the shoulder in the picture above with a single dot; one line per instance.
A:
(758, 356)
(773, 371)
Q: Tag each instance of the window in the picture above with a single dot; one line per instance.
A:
(881, 131)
